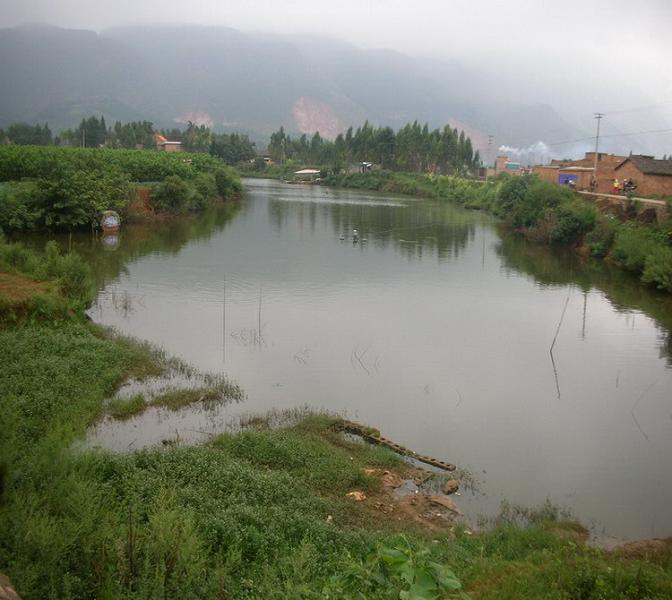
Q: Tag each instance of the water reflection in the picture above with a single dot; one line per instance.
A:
(563, 268)
(135, 240)
(415, 228)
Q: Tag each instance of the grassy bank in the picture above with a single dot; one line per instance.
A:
(258, 514)
(544, 213)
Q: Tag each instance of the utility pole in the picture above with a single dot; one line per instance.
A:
(489, 157)
(598, 116)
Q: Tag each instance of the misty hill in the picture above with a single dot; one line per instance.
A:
(248, 82)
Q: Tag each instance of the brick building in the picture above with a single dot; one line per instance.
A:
(582, 170)
(652, 176)
(504, 165)
(563, 175)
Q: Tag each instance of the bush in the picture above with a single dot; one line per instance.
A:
(633, 244)
(227, 183)
(572, 222)
(171, 195)
(20, 206)
(658, 268)
(601, 238)
(71, 198)
(511, 194)
(205, 185)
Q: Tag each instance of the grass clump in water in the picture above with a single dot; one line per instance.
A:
(125, 408)
(219, 388)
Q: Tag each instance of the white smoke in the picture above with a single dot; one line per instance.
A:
(535, 154)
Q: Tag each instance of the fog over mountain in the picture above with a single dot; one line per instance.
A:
(524, 76)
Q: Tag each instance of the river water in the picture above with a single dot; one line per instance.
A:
(435, 327)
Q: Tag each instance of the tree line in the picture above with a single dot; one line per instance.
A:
(93, 132)
(413, 148)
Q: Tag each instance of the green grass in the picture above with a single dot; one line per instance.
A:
(125, 408)
(218, 389)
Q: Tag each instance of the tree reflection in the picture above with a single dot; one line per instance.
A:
(553, 267)
(414, 228)
(167, 236)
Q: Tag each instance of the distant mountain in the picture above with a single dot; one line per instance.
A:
(247, 82)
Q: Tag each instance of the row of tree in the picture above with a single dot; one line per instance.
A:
(26, 134)
(93, 132)
(413, 148)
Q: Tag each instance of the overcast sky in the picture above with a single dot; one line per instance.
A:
(579, 55)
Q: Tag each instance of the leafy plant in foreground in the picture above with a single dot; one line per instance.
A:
(395, 571)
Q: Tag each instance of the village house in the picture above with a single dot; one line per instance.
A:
(504, 165)
(582, 171)
(652, 176)
(165, 145)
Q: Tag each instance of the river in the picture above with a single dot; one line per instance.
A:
(435, 327)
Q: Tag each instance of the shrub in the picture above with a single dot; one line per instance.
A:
(205, 185)
(658, 268)
(511, 194)
(20, 205)
(633, 244)
(73, 197)
(601, 238)
(572, 222)
(227, 182)
(171, 195)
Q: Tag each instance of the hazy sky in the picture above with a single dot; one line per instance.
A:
(580, 56)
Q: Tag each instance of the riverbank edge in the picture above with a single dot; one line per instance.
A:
(78, 523)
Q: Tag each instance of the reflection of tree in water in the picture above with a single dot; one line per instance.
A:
(414, 229)
(136, 240)
(624, 291)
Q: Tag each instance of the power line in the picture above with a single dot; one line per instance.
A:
(638, 132)
(614, 112)
(638, 108)
(592, 137)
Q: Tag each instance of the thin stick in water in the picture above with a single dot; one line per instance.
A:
(555, 337)
(259, 324)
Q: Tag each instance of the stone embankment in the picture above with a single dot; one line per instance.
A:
(645, 210)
